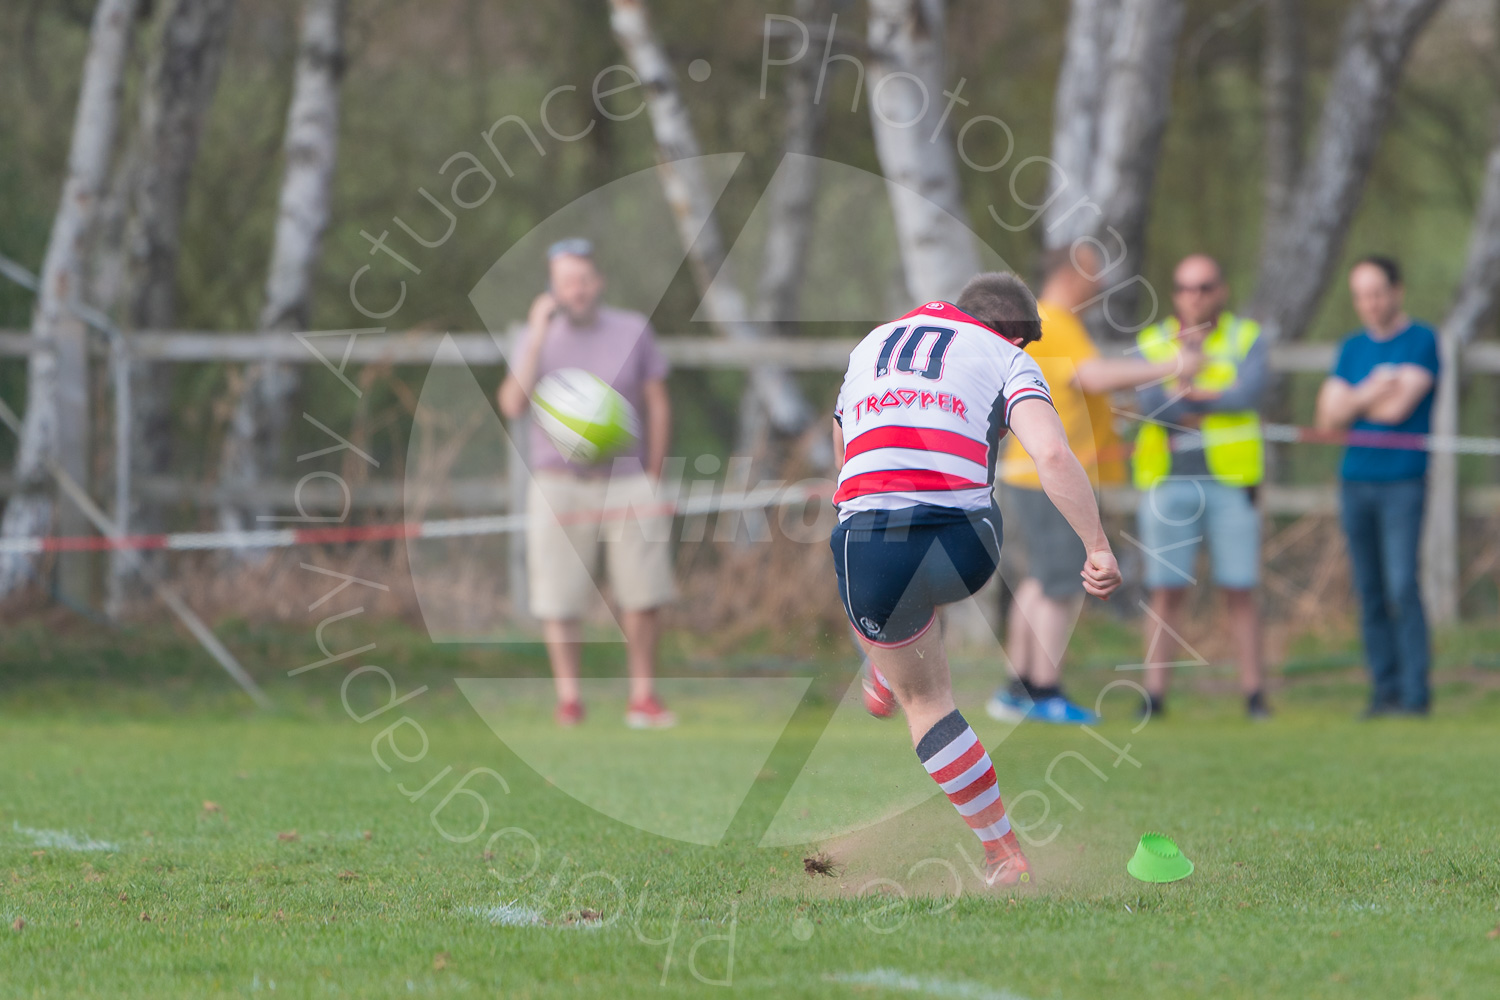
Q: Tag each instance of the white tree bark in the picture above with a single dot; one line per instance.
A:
(1111, 110)
(907, 80)
(693, 207)
(1297, 260)
(1283, 86)
(1081, 85)
(1473, 303)
(179, 87)
(791, 204)
(51, 386)
(1133, 117)
(253, 444)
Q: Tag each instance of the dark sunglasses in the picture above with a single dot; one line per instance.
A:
(1203, 289)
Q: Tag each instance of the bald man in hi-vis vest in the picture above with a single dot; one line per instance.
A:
(1198, 460)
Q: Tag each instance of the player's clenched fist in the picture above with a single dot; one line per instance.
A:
(1101, 574)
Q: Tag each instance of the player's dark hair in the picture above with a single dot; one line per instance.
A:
(1388, 266)
(1002, 302)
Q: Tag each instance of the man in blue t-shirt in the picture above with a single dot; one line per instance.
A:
(1381, 391)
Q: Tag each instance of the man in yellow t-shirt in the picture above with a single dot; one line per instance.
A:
(1049, 600)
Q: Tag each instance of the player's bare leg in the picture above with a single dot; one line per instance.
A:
(950, 751)
(1167, 604)
(1244, 627)
(642, 637)
(565, 654)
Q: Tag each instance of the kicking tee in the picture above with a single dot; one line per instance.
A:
(925, 402)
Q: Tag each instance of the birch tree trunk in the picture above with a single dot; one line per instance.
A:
(57, 376)
(254, 442)
(1133, 117)
(1111, 110)
(693, 208)
(1283, 86)
(907, 79)
(179, 88)
(1473, 303)
(1297, 261)
(1081, 84)
(791, 203)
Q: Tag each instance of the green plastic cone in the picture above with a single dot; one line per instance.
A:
(1157, 859)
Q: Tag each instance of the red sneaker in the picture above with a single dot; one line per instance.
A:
(1004, 864)
(648, 713)
(879, 701)
(568, 713)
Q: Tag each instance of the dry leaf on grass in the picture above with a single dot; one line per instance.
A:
(211, 807)
(440, 961)
(287, 835)
(18, 924)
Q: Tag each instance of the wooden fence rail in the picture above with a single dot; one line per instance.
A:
(337, 349)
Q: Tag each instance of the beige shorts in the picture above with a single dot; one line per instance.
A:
(562, 552)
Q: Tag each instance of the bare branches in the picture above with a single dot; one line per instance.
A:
(693, 204)
(1296, 262)
(1283, 82)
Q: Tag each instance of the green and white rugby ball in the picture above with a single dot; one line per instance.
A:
(583, 416)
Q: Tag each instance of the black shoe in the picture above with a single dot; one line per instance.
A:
(1256, 707)
(1152, 708)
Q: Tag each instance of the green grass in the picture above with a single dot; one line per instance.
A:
(1334, 858)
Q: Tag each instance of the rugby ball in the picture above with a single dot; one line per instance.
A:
(583, 416)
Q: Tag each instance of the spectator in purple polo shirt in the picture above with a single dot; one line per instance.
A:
(569, 327)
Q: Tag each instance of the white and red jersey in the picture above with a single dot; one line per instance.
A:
(924, 405)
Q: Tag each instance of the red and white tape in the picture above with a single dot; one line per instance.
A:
(504, 524)
(458, 527)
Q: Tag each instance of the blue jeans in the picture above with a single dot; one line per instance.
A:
(1383, 522)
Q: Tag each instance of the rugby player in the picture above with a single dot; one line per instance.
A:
(924, 405)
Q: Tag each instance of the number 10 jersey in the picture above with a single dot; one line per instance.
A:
(924, 405)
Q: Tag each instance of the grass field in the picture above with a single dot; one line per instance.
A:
(158, 839)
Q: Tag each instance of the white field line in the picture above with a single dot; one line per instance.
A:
(891, 979)
(62, 840)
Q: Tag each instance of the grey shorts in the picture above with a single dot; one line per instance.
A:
(1054, 552)
(1178, 514)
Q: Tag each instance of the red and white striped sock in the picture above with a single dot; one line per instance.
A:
(957, 761)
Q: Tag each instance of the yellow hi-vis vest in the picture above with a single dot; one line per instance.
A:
(1232, 442)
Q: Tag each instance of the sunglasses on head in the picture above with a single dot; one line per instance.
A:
(1202, 289)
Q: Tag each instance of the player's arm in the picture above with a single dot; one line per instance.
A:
(515, 391)
(838, 445)
(658, 425)
(1039, 429)
(1408, 386)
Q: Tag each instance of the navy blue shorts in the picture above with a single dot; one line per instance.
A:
(896, 566)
